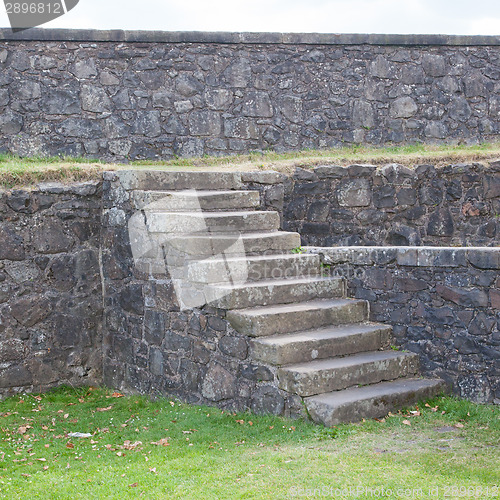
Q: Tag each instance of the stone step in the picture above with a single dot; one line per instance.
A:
(209, 245)
(208, 222)
(150, 179)
(373, 401)
(239, 270)
(288, 318)
(267, 292)
(335, 374)
(321, 343)
(195, 200)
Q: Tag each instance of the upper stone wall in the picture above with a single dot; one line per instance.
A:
(149, 95)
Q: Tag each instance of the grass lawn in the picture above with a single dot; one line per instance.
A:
(15, 171)
(164, 449)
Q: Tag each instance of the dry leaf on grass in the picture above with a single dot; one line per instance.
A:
(128, 445)
(406, 422)
(161, 442)
(104, 409)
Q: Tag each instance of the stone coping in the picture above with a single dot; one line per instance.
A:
(479, 257)
(222, 37)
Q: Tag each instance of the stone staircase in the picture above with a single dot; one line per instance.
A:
(320, 343)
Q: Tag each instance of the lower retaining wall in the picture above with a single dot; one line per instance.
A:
(74, 308)
(50, 287)
(393, 205)
(444, 304)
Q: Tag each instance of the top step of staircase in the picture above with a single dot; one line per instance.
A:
(197, 200)
(167, 180)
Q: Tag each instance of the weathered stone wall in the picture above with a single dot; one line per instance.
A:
(444, 304)
(395, 205)
(50, 287)
(134, 95)
(153, 347)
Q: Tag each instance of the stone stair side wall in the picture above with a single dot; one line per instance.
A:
(152, 347)
(443, 303)
(50, 287)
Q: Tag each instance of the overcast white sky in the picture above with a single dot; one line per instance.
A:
(466, 17)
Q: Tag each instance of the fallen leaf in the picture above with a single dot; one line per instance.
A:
(459, 425)
(406, 422)
(69, 444)
(81, 400)
(127, 445)
(45, 428)
(161, 442)
(381, 420)
(241, 422)
(42, 459)
(133, 485)
(23, 429)
(153, 470)
(120, 454)
(116, 395)
(415, 413)
(66, 415)
(104, 409)
(45, 467)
